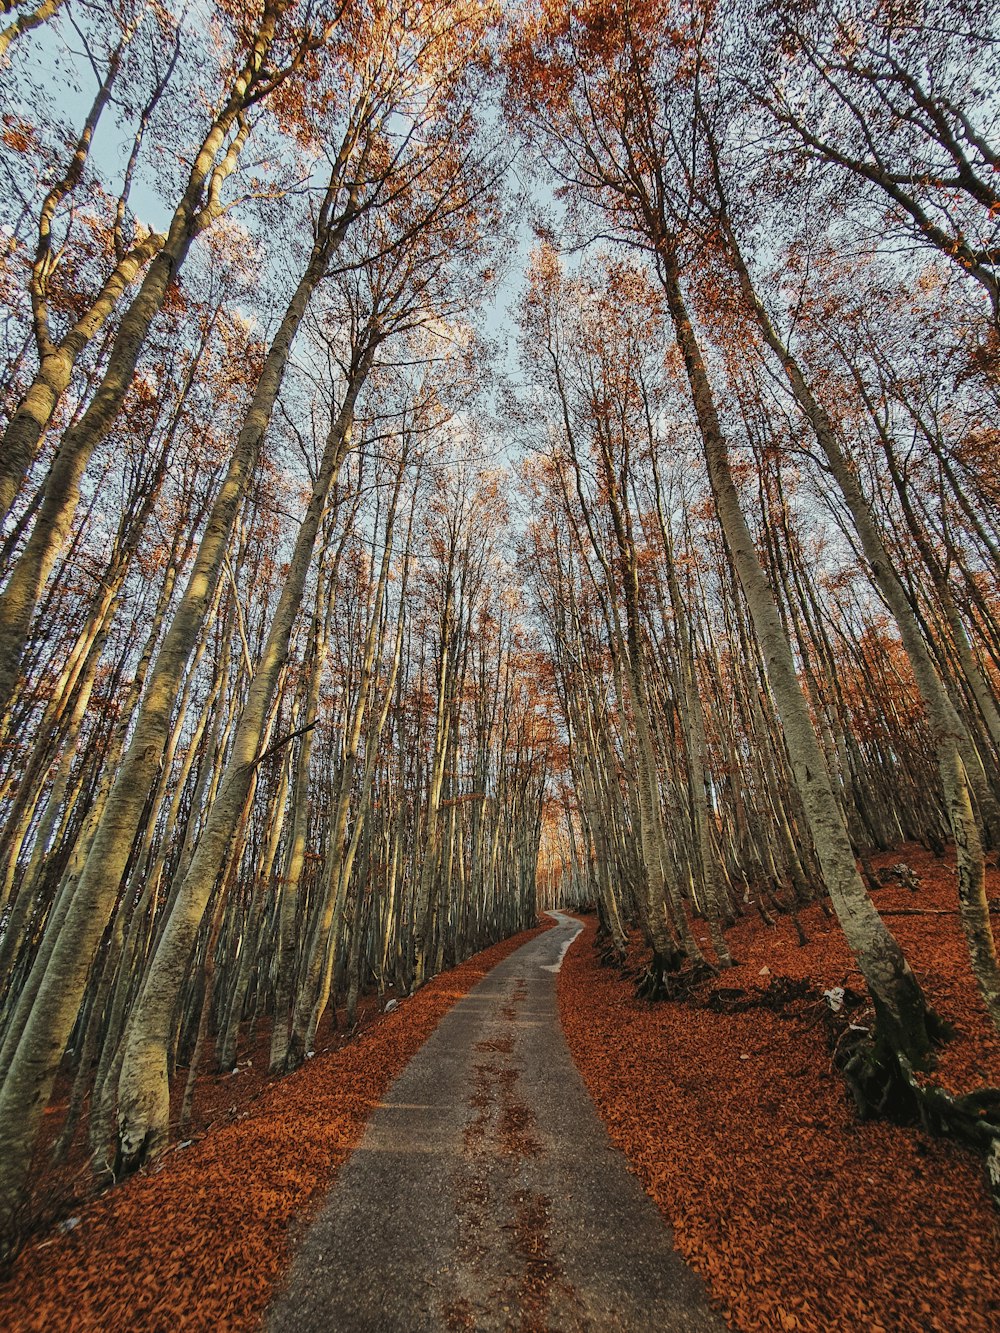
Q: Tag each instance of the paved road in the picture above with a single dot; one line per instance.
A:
(485, 1193)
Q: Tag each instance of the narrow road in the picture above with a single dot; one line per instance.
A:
(486, 1194)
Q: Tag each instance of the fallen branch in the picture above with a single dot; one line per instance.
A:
(918, 911)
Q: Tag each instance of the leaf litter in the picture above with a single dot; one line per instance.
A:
(203, 1238)
(797, 1215)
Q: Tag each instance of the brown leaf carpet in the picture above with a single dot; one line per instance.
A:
(797, 1215)
(201, 1240)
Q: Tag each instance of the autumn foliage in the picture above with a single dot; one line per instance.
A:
(797, 1215)
(202, 1240)
(457, 455)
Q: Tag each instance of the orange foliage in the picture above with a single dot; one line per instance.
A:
(796, 1215)
(202, 1240)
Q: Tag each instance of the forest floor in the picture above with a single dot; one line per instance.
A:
(795, 1214)
(487, 1193)
(202, 1238)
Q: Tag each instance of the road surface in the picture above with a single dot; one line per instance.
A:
(486, 1194)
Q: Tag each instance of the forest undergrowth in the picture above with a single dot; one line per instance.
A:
(797, 1215)
(201, 1240)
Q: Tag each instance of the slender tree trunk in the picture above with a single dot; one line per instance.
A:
(902, 1010)
(199, 206)
(28, 1085)
(143, 1092)
(948, 731)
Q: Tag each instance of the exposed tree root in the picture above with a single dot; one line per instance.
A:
(669, 980)
(610, 954)
(777, 997)
(882, 1082)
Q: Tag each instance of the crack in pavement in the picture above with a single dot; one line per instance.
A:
(486, 1194)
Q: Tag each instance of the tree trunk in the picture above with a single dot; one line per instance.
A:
(902, 1010)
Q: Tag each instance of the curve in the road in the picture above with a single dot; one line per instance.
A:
(486, 1194)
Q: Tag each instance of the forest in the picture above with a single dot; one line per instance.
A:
(463, 458)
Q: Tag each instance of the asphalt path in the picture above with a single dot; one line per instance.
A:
(485, 1193)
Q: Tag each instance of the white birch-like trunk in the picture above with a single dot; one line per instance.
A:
(900, 1004)
(143, 1091)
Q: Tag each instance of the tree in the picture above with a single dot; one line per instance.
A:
(611, 103)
